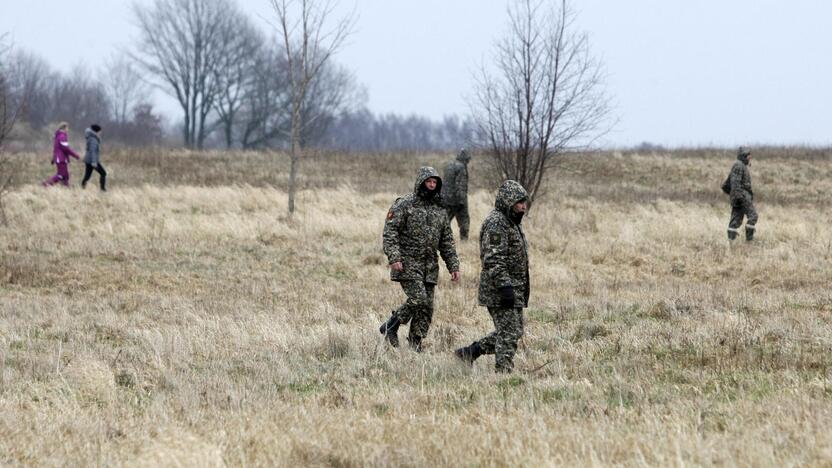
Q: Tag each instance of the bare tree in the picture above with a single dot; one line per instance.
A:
(79, 99)
(309, 43)
(124, 87)
(332, 93)
(31, 81)
(183, 43)
(262, 114)
(544, 96)
(8, 116)
(235, 71)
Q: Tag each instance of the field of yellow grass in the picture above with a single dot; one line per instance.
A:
(183, 319)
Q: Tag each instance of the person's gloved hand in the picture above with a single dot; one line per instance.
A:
(507, 296)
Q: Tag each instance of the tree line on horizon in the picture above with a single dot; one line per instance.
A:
(232, 83)
(541, 96)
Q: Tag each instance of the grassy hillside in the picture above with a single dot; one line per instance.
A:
(183, 318)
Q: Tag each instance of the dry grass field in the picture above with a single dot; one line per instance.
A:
(182, 319)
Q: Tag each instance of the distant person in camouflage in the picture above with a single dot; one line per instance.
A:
(738, 186)
(455, 192)
(504, 280)
(416, 228)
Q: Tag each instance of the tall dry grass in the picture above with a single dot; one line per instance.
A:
(191, 323)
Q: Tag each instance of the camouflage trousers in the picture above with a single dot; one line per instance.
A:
(460, 212)
(502, 342)
(739, 209)
(417, 309)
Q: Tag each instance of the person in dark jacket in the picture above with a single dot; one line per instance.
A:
(504, 279)
(455, 192)
(92, 158)
(742, 197)
(416, 228)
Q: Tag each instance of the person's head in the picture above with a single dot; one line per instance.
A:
(512, 200)
(463, 156)
(63, 127)
(744, 154)
(428, 183)
(96, 128)
(521, 206)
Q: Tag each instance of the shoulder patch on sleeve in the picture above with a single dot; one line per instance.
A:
(495, 238)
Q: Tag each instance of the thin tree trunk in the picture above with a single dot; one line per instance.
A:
(3, 220)
(228, 133)
(294, 157)
(186, 130)
(293, 171)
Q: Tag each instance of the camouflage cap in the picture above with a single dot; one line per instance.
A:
(463, 155)
(743, 151)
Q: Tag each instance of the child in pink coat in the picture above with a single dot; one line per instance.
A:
(60, 156)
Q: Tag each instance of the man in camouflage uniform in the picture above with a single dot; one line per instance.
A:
(415, 229)
(742, 197)
(504, 280)
(455, 192)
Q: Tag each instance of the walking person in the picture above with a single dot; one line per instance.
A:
(455, 192)
(738, 186)
(92, 158)
(504, 279)
(61, 153)
(416, 228)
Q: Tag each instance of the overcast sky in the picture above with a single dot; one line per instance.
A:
(681, 73)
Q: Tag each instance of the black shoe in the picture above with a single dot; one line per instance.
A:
(749, 234)
(732, 235)
(390, 330)
(469, 354)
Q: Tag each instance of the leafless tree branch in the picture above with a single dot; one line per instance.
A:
(308, 43)
(9, 110)
(542, 97)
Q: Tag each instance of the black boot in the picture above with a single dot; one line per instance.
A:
(749, 233)
(732, 234)
(103, 183)
(415, 343)
(390, 330)
(469, 354)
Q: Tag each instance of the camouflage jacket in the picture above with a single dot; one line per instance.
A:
(504, 250)
(740, 181)
(415, 230)
(455, 190)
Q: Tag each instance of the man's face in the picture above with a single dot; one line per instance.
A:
(430, 184)
(520, 207)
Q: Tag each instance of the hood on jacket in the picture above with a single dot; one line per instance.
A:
(89, 133)
(743, 153)
(509, 194)
(425, 173)
(463, 156)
